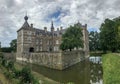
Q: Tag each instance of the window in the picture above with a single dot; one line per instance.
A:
(57, 42)
(37, 48)
(56, 48)
(48, 42)
(40, 48)
(41, 41)
(37, 41)
(29, 32)
(29, 39)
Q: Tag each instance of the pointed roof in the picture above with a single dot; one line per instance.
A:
(25, 25)
(78, 23)
(52, 25)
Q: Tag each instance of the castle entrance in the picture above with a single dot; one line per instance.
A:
(31, 49)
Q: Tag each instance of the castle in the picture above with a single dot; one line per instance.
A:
(32, 41)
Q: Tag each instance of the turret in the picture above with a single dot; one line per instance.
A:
(45, 29)
(31, 25)
(52, 27)
(25, 25)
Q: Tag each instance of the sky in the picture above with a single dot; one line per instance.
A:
(62, 12)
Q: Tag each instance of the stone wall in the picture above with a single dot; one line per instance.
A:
(71, 58)
(10, 56)
(55, 60)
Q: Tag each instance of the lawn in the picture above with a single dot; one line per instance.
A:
(111, 68)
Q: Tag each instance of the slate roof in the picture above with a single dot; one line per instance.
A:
(25, 25)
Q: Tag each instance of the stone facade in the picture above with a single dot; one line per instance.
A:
(44, 45)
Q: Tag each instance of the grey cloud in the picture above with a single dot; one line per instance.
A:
(92, 12)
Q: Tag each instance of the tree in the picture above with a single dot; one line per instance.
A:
(108, 35)
(6, 49)
(13, 45)
(94, 42)
(72, 38)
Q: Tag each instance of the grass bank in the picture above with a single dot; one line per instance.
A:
(111, 68)
(3, 79)
(96, 53)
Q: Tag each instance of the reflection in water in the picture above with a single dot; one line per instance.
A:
(95, 70)
(85, 72)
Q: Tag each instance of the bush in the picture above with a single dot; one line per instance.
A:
(4, 62)
(23, 76)
(10, 65)
(26, 76)
(17, 73)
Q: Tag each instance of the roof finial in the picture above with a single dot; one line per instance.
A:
(26, 13)
(26, 17)
(52, 24)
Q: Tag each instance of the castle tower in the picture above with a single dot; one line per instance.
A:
(25, 38)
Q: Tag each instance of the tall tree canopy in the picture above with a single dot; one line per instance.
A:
(94, 42)
(72, 38)
(110, 35)
(13, 45)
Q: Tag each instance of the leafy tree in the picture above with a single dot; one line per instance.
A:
(109, 35)
(94, 42)
(6, 49)
(72, 38)
(13, 45)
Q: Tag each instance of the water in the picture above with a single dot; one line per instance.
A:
(86, 72)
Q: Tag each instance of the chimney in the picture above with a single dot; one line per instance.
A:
(57, 29)
(31, 25)
(45, 29)
(86, 25)
(61, 28)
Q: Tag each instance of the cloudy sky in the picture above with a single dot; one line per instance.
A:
(62, 12)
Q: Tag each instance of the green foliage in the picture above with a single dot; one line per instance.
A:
(13, 45)
(72, 38)
(6, 49)
(25, 76)
(94, 41)
(8, 74)
(111, 68)
(109, 35)
(4, 61)
(10, 65)
(17, 73)
(1, 57)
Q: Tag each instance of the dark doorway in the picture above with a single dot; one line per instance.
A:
(31, 49)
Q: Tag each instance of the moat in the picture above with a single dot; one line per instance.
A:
(85, 72)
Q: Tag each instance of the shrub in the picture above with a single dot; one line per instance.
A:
(26, 76)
